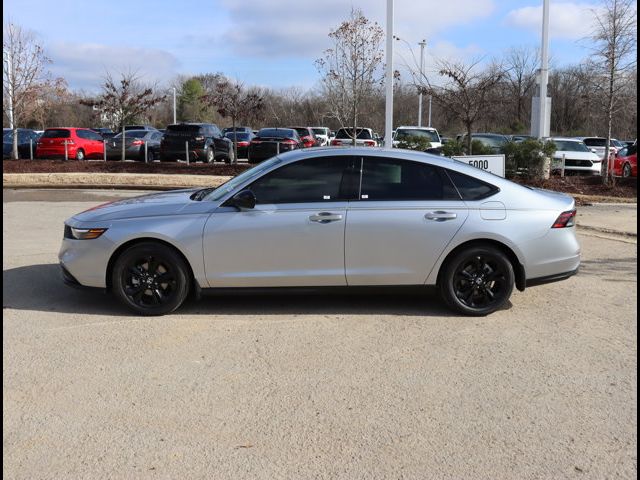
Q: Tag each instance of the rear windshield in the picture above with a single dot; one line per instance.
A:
(362, 133)
(490, 141)
(303, 132)
(404, 133)
(184, 128)
(133, 133)
(56, 133)
(595, 142)
(277, 133)
(320, 131)
(238, 135)
(568, 146)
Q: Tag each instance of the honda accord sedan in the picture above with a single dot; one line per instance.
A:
(329, 217)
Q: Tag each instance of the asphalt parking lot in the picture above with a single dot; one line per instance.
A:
(323, 387)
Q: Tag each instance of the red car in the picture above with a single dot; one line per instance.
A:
(81, 143)
(307, 136)
(626, 162)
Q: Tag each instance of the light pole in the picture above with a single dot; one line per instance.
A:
(544, 71)
(388, 117)
(422, 44)
(6, 53)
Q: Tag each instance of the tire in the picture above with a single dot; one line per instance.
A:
(477, 281)
(626, 170)
(150, 156)
(210, 156)
(80, 154)
(142, 265)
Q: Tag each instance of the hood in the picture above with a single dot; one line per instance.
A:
(576, 155)
(157, 204)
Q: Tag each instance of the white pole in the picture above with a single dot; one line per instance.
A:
(422, 44)
(544, 71)
(10, 89)
(388, 120)
(429, 110)
(174, 104)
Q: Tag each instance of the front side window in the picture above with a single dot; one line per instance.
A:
(315, 180)
(394, 179)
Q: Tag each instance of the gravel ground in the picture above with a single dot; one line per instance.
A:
(322, 387)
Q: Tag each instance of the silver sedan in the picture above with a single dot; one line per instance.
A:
(329, 217)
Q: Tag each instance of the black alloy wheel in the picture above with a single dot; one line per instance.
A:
(477, 281)
(151, 279)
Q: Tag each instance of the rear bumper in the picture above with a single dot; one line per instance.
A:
(532, 282)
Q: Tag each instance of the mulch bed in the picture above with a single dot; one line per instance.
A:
(624, 188)
(74, 166)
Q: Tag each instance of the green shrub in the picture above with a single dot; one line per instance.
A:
(527, 157)
(414, 142)
(453, 148)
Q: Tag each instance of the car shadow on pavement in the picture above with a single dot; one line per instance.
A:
(40, 288)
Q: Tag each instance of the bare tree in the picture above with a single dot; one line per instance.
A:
(520, 65)
(465, 91)
(351, 68)
(615, 37)
(232, 100)
(26, 77)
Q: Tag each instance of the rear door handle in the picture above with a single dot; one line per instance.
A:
(325, 217)
(440, 216)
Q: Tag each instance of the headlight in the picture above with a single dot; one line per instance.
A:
(82, 233)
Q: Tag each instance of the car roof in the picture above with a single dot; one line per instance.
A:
(415, 128)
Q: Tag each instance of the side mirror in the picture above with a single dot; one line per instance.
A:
(244, 199)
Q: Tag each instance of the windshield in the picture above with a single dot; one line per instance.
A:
(277, 133)
(132, 133)
(238, 135)
(303, 132)
(595, 142)
(362, 133)
(225, 188)
(490, 141)
(568, 146)
(320, 131)
(431, 135)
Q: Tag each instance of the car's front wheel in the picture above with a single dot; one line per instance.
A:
(477, 280)
(151, 278)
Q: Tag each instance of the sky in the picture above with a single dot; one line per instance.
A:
(274, 43)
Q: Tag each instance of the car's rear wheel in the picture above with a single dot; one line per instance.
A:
(626, 170)
(150, 156)
(151, 279)
(477, 280)
(80, 154)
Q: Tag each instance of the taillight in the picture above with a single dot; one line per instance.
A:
(565, 219)
(335, 142)
(199, 139)
(137, 142)
(243, 144)
(288, 141)
(369, 143)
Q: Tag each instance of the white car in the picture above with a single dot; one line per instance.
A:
(431, 134)
(323, 135)
(597, 145)
(578, 157)
(364, 138)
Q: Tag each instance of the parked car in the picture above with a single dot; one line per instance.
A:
(27, 142)
(307, 137)
(134, 141)
(626, 162)
(364, 137)
(237, 129)
(494, 141)
(578, 157)
(628, 143)
(105, 132)
(81, 143)
(598, 145)
(271, 141)
(428, 133)
(322, 135)
(205, 142)
(520, 138)
(351, 217)
(243, 139)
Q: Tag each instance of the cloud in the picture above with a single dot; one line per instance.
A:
(291, 28)
(571, 21)
(84, 65)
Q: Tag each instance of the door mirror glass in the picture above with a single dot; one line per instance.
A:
(242, 200)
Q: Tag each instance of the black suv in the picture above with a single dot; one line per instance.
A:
(205, 142)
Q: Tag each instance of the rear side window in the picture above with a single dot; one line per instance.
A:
(471, 188)
(56, 133)
(315, 180)
(393, 179)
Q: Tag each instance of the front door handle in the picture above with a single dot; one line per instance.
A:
(325, 217)
(440, 216)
